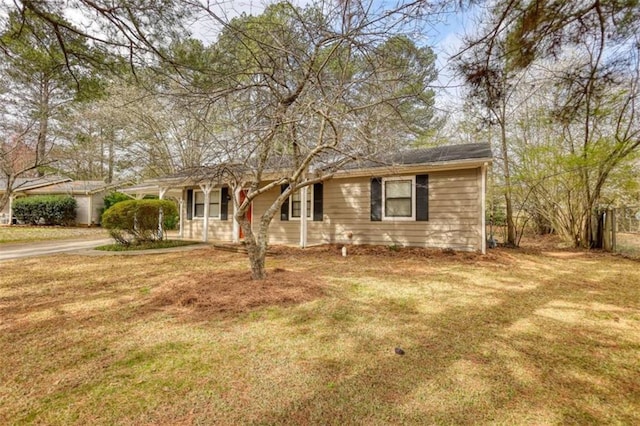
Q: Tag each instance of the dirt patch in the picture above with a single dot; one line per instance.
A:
(204, 294)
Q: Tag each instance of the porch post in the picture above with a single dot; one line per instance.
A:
(303, 217)
(180, 215)
(10, 209)
(162, 191)
(483, 203)
(206, 188)
(236, 224)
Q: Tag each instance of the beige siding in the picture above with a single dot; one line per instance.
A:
(83, 207)
(454, 216)
(96, 207)
(82, 204)
(280, 231)
(219, 230)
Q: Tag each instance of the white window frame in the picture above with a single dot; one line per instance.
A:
(309, 202)
(213, 191)
(412, 179)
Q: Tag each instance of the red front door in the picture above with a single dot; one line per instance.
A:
(243, 196)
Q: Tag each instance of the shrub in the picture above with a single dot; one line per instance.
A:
(136, 221)
(46, 209)
(113, 198)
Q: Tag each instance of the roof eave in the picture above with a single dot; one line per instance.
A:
(440, 166)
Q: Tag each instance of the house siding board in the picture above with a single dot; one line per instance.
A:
(82, 204)
(454, 219)
(219, 230)
(96, 207)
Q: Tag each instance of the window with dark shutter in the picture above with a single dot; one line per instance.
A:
(224, 204)
(317, 202)
(422, 197)
(284, 208)
(376, 199)
(189, 204)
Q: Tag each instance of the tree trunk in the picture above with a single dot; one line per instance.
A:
(111, 158)
(43, 128)
(257, 257)
(511, 226)
(256, 248)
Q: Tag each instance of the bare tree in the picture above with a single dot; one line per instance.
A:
(300, 92)
(594, 106)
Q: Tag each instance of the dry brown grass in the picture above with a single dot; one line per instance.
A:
(23, 234)
(515, 337)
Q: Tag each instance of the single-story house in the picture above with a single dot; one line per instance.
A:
(427, 197)
(89, 195)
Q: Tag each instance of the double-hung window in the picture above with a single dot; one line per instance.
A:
(295, 208)
(214, 203)
(398, 196)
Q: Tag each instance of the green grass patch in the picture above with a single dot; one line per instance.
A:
(147, 246)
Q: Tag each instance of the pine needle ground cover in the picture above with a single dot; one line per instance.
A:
(514, 337)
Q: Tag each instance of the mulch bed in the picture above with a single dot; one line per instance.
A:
(235, 292)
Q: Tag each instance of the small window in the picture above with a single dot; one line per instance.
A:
(398, 195)
(214, 203)
(295, 203)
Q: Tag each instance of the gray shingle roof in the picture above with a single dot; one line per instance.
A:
(23, 184)
(439, 154)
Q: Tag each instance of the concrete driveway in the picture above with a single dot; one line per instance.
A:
(42, 248)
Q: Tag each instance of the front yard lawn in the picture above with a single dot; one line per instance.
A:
(25, 234)
(514, 337)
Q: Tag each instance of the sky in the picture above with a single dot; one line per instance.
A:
(445, 38)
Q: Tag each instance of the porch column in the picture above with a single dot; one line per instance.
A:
(161, 193)
(483, 207)
(303, 217)
(206, 188)
(10, 210)
(236, 224)
(181, 216)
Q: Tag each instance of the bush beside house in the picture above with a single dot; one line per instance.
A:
(137, 221)
(46, 210)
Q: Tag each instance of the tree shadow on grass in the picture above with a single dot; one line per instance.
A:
(503, 362)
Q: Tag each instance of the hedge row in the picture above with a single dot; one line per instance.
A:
(45, 209)
(136, 221)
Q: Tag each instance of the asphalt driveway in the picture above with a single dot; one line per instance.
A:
(43, 248)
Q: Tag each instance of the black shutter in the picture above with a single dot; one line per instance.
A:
(224, 203)
(376, 199)
(189, 204)
(317, 202)
(284, 208)
(422, 197)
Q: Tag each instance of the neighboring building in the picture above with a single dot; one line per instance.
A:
(89, 195)
(432, 197)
